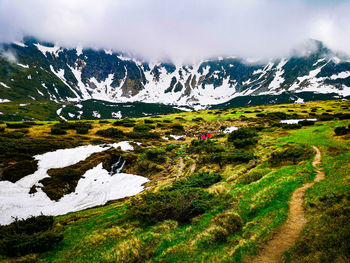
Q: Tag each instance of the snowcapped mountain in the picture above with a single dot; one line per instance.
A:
(35, 71)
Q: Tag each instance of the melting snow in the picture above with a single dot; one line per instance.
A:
(4, 85)
(95, 188)
(4, 100)
(176, 137)
(96, 114)
(52, 50)
(19, 44)
(22, 65)
(117, 115)
(296, 121)
(230, 129)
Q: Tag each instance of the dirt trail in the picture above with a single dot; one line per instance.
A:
(285, 238)
(181, 167)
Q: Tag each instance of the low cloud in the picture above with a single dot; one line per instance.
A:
(179, 30)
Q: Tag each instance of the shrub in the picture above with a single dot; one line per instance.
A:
(103, 121)
(17, 125)
(57, 131)
(228, 157)
(125, 122)
(205, 146)
(251, 177)
(238, 143)
(201, 180)
(260, 115)
(2, 129)
(292, 154)
(32, 235)
(341, 130)
(143, 135)
(143, 128)
(198, 119)
(344, 116)
(13, 135)
(148, 121)
(177, 128)
(167, 121)
(306, 123)
(231, 221)
(156, 155)
(82, 130)
(111, 133)
(180, 205)
(242, 133)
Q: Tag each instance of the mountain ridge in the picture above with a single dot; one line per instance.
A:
(40, 71)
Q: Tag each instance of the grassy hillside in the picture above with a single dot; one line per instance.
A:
(218, 200)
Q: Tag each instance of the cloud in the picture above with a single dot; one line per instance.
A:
(8, 55)
(179, 29)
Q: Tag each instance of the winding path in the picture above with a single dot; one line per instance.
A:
(286, 236)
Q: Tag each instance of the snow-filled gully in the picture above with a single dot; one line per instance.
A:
(96, 187)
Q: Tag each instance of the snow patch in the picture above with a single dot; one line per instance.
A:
(95, 188)
(117, 115)
(4, 85)
(22, 65)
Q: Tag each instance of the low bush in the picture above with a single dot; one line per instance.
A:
(291, 155)
(205, 146)
(13, 135)
(143, 135)
(111, 133)
(201, 180)
(57, 131)
(251, 176)
(17, 125)
(148, 121)
(342, 130)
(306, 123)
(177, 128)
(198, 119)
(82, 130)
(125, 123)
(242, 133)
(180, 205)
(143, 128)
(156, 155)
(344, 116)
(236, 156)
(32, 235)
(231, 221)
(243, 143)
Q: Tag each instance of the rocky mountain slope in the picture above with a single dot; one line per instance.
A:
(33, 71)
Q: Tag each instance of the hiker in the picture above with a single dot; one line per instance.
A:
(208, 135)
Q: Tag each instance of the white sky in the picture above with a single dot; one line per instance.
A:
(179, 29)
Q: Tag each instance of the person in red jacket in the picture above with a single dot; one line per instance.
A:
(208, 135)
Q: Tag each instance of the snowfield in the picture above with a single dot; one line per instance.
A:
(296, 121)
(95, 188)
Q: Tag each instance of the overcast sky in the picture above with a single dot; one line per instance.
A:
(180, 29)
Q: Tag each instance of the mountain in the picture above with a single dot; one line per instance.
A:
(33, 71)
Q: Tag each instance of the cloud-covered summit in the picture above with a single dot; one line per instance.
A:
(181, 30)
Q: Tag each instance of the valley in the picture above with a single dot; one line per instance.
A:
(147, 189)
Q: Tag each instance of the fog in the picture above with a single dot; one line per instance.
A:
(180, 30)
